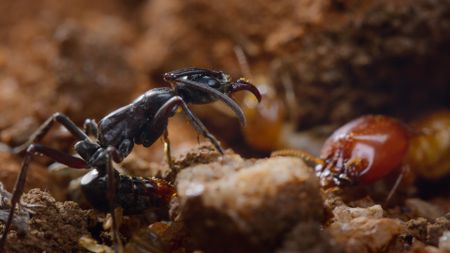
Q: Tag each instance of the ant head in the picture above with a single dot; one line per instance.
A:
(201, 86)
(198, 85)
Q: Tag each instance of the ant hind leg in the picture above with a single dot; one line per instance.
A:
(167, 149)
(113, 154)
(46, 126)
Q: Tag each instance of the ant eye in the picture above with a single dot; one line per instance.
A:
(211, 82)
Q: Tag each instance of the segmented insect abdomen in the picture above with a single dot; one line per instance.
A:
(136, 194)
(133, 194)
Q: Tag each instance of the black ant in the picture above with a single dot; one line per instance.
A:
(141, 122)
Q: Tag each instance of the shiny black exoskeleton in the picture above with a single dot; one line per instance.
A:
(141, 122)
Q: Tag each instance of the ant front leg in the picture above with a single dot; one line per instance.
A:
(113, 154)
(167, 150)
(198, 125)
(45, 127)
(169, 106)
(90, 127)
(56, 155)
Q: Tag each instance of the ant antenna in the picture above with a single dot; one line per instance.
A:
(243, 62)
(305, 156)
(289, 94)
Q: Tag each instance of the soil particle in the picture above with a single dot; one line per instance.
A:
(246, 205)
(308, 237)
(428, 232)
(364, 234)
(53, 227)
(364, 229)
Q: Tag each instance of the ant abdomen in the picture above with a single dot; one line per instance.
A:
(134, 194)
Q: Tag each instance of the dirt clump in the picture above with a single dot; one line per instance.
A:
(364, 229)
(53, 226)
(241, 205)
(429, 232)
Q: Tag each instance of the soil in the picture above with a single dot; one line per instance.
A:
(318, 64)
(52, 227)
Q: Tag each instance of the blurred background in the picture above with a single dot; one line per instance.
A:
(319, 64)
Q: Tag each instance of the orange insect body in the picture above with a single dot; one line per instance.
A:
(429, 152)
(265, 121)
(363, 151)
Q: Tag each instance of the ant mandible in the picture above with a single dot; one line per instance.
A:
(362, 151)
(141, 122)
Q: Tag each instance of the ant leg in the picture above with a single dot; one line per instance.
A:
(305, 156)
(404, 170)
(198, 125)
(113, 154)
(90, 127)
(162, 113)
(45, 127)
(56, 155)
(167, 150)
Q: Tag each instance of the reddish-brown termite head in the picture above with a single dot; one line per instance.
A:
(363, 151)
